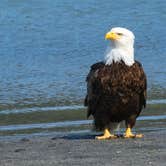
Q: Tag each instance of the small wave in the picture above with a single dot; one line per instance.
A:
(44, 125)
(67, 124)
(35, 109)
(158, 101)
(63, 108)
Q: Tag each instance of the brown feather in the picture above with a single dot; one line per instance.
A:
(115, 92)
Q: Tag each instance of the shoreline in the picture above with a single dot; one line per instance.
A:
(76, 149)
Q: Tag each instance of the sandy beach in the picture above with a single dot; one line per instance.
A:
(83, 150)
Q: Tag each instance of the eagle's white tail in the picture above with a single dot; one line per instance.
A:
(114, 127)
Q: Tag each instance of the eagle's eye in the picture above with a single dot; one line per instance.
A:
(120, 34)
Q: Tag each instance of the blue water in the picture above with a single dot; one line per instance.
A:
(47, 47)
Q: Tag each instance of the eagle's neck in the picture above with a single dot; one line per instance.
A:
(118, 54)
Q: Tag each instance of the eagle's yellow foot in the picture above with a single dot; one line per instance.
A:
(129, 134)
(103, 137)
(133, 136)
(107, 135)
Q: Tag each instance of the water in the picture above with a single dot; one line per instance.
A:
(47, 47)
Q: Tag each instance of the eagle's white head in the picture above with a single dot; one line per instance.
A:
(122, 46)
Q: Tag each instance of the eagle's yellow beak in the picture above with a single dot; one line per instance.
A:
(112, 36)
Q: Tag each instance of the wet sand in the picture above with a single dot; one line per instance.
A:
(84, 150)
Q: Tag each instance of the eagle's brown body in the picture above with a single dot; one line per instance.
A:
(115, 93)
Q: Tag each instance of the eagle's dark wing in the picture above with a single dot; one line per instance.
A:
(93, 88)
(142, 84)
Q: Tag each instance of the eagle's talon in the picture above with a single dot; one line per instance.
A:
(139, 135)
(130, 136)
(134, 136)
(103, 137)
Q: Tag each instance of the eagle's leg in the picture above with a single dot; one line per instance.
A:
(129, 126)
(107, 135)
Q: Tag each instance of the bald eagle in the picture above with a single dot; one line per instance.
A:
(116, 87)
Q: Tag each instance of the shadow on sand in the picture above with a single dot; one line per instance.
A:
(84, 136)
